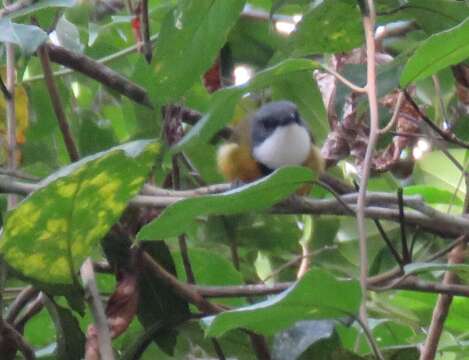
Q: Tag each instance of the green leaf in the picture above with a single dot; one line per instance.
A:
(224, 101)
(70, 338)
(258, 195)
(435, 15)
(436, 53)
(40, 5)
(420, 267)
(317, 295)
(432, 194)
(27, 37)
(47, 237)
(434, 169)
(301, 88)
(193, 32)
(329, 27)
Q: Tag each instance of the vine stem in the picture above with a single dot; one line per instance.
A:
(368, 24)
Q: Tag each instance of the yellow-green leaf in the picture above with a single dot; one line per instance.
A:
(47, 237)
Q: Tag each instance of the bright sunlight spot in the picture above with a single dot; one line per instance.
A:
(285, 27)
(242, 74)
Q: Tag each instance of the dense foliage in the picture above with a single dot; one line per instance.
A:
(114, 166)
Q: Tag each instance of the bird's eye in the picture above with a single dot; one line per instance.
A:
(268, 123)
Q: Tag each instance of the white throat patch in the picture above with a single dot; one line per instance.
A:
(287, 145)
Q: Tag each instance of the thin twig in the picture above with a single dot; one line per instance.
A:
(395, 115)
(104, 60)
(4, 90)
(343, 80)
(442, 306)
(368, 14)
(97, 309)
(25, 296)
(98, 72)
(409, 283)
(57, 105)
(388, 242)
(145, 29)
(449, 137)
(406, 257)
(9, 334)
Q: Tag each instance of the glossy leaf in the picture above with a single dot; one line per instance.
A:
(27, 37)
(255, 196)
(317, 295)
(329, 27)
(436, 53)
(194, 32)
(49, 234)
(222, 106)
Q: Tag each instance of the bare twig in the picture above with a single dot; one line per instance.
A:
(9, 334)
(4, 90)
(395, 115)
(25, 296)
(104, 60)
(145, 28)
(406, 256)
(98, 72)
(409, 283)
(57, 105)
(388, 242)
(368, 13)
(343, 80)
(186, 291)
(442, 307)
(449, 137)
(97, 309)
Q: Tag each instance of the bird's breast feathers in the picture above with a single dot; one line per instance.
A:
(288, 145)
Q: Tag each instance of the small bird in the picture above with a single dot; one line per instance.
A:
(275, 136)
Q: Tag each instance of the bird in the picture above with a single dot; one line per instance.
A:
(275, 136)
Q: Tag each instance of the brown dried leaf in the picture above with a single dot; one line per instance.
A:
(120, 311)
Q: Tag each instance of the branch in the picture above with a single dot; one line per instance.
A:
(57, 105)
(449, 137)
(98, 72)
(186, 291)
(410, 283)
(9, 334)
(368, 12)
(97, 309)
(425, 217)
(442, 306)
(24, 297)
